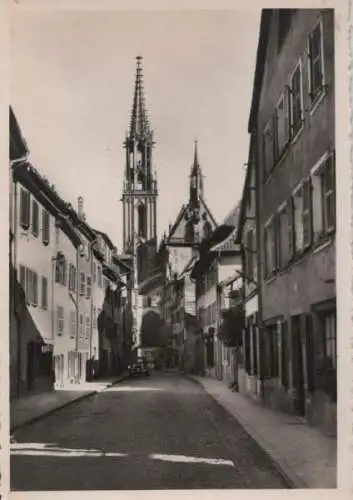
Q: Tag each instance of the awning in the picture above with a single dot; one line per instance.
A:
(202, 265)
(232, 325)
(220, 234)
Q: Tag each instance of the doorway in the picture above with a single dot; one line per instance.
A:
(298, 364)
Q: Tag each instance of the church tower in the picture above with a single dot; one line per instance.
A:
(196, 181)
(140, 183)
(139, 197)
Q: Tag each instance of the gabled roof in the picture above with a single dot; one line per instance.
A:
(106, 238)
(18, 146)
(265, 22)
(30, 178)
(231, 222)
(178, 226)
(244, 196)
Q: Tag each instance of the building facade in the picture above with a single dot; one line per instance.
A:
(58, 281)
(293, 119)
(247, 239)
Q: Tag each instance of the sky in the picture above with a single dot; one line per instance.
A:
(72, 77)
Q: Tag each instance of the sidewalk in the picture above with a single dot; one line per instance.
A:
(30, 408)
(300, 452)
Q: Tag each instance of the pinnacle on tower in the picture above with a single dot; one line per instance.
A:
(139, 125)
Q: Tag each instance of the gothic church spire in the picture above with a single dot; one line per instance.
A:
(139, 124)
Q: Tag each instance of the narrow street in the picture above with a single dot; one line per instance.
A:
(153, 433)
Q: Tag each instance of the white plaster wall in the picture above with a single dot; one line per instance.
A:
(30, 252)
(61, 297)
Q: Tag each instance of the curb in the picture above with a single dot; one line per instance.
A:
(290, 478)
(66, 404)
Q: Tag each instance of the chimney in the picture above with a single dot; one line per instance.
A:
(80, 207)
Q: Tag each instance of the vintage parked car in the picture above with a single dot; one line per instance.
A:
(139, 367)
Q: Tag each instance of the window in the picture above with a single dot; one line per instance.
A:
(44, 303)
(282, 238)
(323, 198)
(29, 282)
(72, 324)
(296, 100)
(72, 277)
(298, 220)
(270, 247)
(25, 208)
(142, 220)
(89, 287)
(307, 217)
(35, 218)
(45, 227)
(282, 123)
(81, 330)
(268, 148)
(316, 63)
(207, 230)
(35, 289)
(60, 269)
(87, 327)
(60, 320)
(249, 252)
(82, 284)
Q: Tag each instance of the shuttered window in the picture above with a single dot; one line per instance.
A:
(44, 303)
(60, 320)
(268, 148)
(316, 63)
(25, 208)
(45, 227)
(282, 123)
(35, 218)
(296, 100)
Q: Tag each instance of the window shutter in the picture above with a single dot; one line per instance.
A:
(35, 289)
(315, 63)
(307, 213)
(269, 146)
(24, 209)
(330, 184)
(57, 269)
(45, 227)
(291, 230)
(44, 292)
(287, 127)
(35, 216)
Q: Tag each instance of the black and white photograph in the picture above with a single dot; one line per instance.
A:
(172, 249)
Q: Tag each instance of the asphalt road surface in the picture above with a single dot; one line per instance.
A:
(161, 432)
